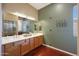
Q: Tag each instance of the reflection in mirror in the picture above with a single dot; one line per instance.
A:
(9, 28)
(24, 25)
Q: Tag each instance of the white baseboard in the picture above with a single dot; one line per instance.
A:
(60, 50)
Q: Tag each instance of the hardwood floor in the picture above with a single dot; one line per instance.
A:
(46, 51)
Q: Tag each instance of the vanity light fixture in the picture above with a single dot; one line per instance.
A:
(23, 15)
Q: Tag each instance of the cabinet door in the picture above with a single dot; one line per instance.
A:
(36, 39)
(31, 43)
(5, 49)
(25, 47)
(41, 40)
(11, 50)
(15, 51)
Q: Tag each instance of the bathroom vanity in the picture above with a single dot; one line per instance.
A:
(20, 35)
(21, 44)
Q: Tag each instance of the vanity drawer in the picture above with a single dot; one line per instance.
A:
(19, 42)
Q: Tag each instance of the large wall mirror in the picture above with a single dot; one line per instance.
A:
(15, 25)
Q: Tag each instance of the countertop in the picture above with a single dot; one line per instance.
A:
(15, 38)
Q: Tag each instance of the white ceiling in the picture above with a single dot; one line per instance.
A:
(39, 6)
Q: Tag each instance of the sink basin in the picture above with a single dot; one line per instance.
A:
(25, 35)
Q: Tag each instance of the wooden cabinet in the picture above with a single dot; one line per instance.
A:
(25, 47)
(22, 47)
(41, 40)
(38, 41)
(11, 50)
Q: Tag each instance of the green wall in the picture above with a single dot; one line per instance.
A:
(59, 37)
